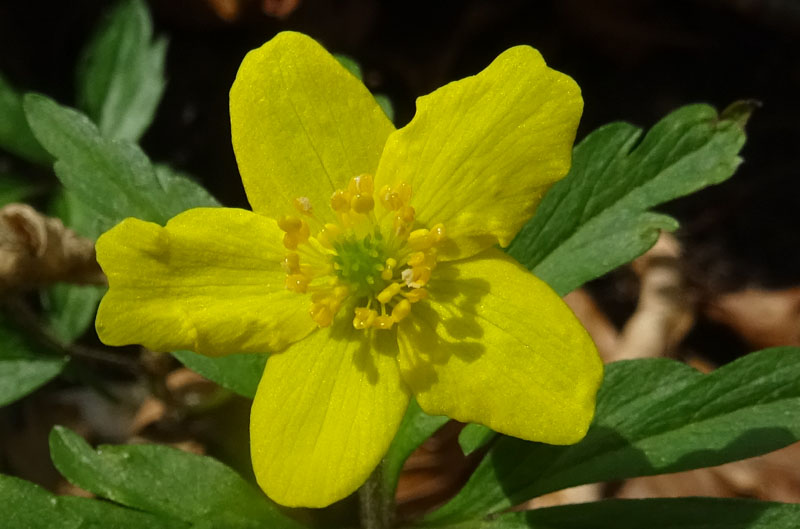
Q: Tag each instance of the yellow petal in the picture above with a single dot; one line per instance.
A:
(324, 415)
(302, 125)
(210, 281)
(480, 152)
(496, 346)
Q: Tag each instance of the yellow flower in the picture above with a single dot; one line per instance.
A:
(368, 266)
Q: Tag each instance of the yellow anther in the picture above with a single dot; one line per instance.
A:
(419, 239)
(437, 233)
(340, 201)
(383, 322)
(422, 274)
(290, 224)
(362, 203)
(290, 241)
(303, 205)
(297, 283)
(388, 293)
(389, 199)
(361, 185)
(415, 295)
(404, 190)
(406, 214)
(291, 263)
(328, 235)
(388, 270)
(364, 318)
(401, 310)
(321, 314)
(340, 292)
(416, 259)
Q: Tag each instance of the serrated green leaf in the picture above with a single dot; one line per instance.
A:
(597, 218)
(415, 427)
(474, 437)
(667, 513)
(239, 373)
(121, 77)
(24, 505)
(112, 177)
(24, 364)
(653, 416)
(15, 134)
(165, 482)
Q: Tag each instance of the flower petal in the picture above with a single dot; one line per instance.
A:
(302, 125)
(324, 415)
(480, 152)
(210, 281)
(495, 345)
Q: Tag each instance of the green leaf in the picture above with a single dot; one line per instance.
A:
(15, 134)
(386, 105)
(415, 427)
(112, 177)
(121, 78)
(672, 513)
(474, 437)
(165, 482)
(70, 309)
(350, 65)
(653, 416)
(24, 505)
(24, 364)
(598, 218)
(239, 373)
(14, 189)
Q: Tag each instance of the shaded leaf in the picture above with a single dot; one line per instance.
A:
(24, 364)
(24, 505)
(474, 437)
(14, 189)
(112, 177)
(239, 373)
(71, 308)
(672, 513)
(15, 134)
(121, 76)
(414, 429)
(598, 218)
(165, 482)
(654, 416)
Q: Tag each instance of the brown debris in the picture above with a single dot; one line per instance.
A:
(665, 312)
(36, 250)
(764, 318)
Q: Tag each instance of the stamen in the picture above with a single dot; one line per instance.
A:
(364, 318)
(383, 322)
(358, 258)
(291, 263)
(297, 283)
(401, 310)
(388, 293)
(340, 201)
(362, 203)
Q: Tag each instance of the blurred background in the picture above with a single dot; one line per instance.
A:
(732, 270)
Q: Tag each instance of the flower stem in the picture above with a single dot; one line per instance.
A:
(376, 502)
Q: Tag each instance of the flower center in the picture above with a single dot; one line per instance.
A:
(372, 255)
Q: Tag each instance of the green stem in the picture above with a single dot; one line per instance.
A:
(376, 502)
